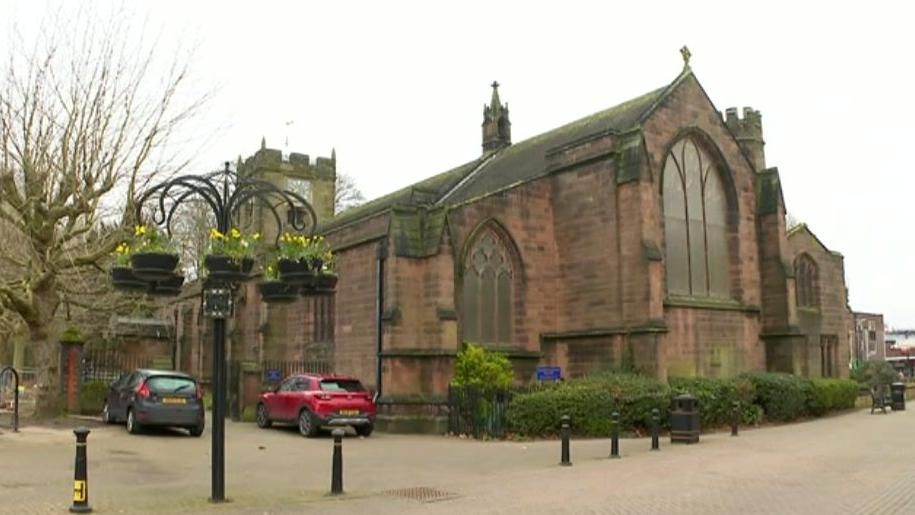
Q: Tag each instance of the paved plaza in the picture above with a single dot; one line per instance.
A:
(855, 463)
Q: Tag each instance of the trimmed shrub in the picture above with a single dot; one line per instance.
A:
(477, 367)
(875, 372)
(831, 395)
(589, 402)
(716, 398)
(783, 397)
(92, 397)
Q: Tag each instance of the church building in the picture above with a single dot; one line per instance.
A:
(650, 235)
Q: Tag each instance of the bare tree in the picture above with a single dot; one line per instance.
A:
(85, 116)
(346, 194)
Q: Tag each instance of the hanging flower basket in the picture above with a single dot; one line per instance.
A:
(295, 272)
(170, 287)
(154, 266)
(325, 283)
(226, 269)
(123, 279)
(277, 292)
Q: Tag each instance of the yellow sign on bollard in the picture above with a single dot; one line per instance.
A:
(79, 491)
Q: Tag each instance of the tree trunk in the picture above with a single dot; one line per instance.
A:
(18, 352)
(46, 355)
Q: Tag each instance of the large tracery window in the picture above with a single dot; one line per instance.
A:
(695, 223)
(805, 278)
(487, 290)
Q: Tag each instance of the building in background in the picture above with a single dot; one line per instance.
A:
(900, 350)
(869, 337)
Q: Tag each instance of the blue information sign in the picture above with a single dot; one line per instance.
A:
(548, 373)
(273, 375)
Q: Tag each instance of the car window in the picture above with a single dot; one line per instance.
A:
(134, 380)
(341, 385)
(302, 385)
(121, 381)
(171, 384)
(288, 385)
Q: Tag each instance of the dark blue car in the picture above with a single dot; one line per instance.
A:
(145, 398)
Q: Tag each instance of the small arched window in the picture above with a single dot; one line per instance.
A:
(487, 290)
(695, 223)
(806, 278)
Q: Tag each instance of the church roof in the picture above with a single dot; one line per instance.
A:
(526, 160)
(515, 164)
(804, 228)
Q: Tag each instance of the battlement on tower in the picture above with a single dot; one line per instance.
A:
(749, 134)
(748, 127)
(295, 164)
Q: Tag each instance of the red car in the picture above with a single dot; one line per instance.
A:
(317, 400)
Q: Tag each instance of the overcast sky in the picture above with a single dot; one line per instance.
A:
(398, 89)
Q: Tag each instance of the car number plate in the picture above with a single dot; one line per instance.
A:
(173, 400)
(349, 412)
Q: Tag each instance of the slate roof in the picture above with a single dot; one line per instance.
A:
(426, 191)
(526, 160)
(797, 229)
(514, 164)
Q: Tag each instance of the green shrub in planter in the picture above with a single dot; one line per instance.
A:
(783, 397)
(831, 395)
(589, 402)
(716, 398)
(248, 414)
(92, 397)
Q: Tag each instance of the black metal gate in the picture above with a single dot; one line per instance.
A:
(5, 373)
(477, 412)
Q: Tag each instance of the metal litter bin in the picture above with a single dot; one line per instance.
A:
(684, 419)
(897, 394)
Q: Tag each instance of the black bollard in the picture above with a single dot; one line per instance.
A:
(614, 435)
(80, 476)
(655, 422)
(564, 434)
(336, 479)
(735, 417)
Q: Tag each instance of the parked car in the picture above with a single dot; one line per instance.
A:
(313, 401)
(145, 398)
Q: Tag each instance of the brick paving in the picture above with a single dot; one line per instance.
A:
(854, 463)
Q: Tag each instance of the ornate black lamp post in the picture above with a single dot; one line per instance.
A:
(225, 193)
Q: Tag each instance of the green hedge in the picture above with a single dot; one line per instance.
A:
(716, 399)
(92, 397)
(831, 395)
(589, 402)
(783, 397)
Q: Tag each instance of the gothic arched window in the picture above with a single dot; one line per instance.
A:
(487, 290)
(695, 223)
(806, 282)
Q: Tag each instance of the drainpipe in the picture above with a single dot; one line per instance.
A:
(379, 313)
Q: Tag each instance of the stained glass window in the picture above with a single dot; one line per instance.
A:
(805, 278)
(695, 223)
(487, 290)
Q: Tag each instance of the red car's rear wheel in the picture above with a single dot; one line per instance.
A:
(308, 425)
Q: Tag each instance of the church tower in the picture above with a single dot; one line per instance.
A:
(313, 179)
(497, 130)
